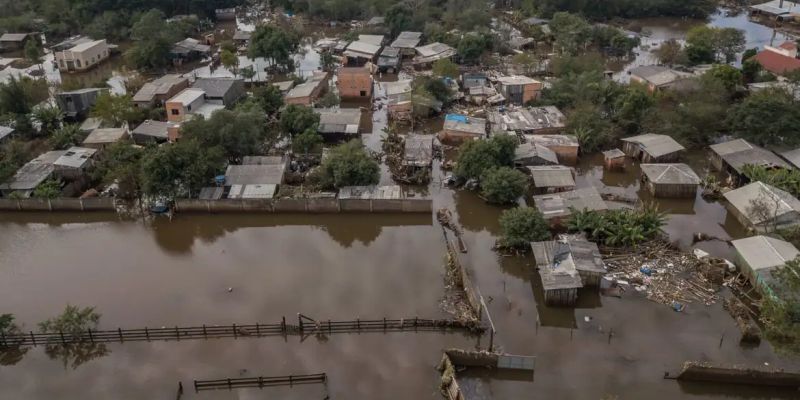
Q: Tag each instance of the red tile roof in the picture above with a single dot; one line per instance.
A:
(776, 63)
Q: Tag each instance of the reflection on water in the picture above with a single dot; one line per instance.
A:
(73, 355)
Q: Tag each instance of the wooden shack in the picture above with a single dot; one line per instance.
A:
(614, 160)
(552, 178)
(560, 278)
(730, 157)
(652, 148)
(557, 207)
(670, 180)
(565, 146)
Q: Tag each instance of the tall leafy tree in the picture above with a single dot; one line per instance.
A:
(276, 44)
(766, 117)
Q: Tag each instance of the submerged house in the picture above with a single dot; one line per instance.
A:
(189, 49)
(779, 60)
(389, 60)
(758, 257)
(430, 53)
(566, 147)
(223, 91)
(549, 179)
(308, 92)
(359, 53)
(532, 154)
(398, 99)
(31, 175)
(763, 207)
(731, 157)
(76, 104)
(652, 148)
(530, 120)
(519, 89)
(777, 9)
(354, 82)
(339, 122)
(557, 207)
(407, 43)
(257, 178)
(418, 151)
(566, 265)
(16, 41)
(459, 128)
(102, 138)
(188, 103)
(614, 160)
(155, 132)
(80, 53)
(670, 180)
(657, 77)
(156, 92)
(74, 163)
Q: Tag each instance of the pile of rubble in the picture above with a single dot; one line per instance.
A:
(665, 275)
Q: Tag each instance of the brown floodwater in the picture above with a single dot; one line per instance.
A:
(160, 273)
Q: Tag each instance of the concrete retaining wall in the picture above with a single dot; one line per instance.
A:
(59, 204)
(302, 205)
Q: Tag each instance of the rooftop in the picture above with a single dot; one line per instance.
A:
(463, 123)
(670, 174)
(407, 40)
(376, 40)
(304, 89)
(157, 129)
(5, 131)
(397, 88)
(254, 174)
(658, 75)
(188, 96)
(75, 157)
(738, 153)
(418, 150)
(777, 7)
(435, 49)
(253, 191)
(793, 157)
(530, 150)
(613, 153)
(656, 145)
(105, 135)
(556, 265)
(554, 140)
(559, 204)
(764, 252)
(216, 87)
(36, 171)
(339, 120)
(359, 48)
(263, 160)
(284, 86)
(777, 63)
(13, 37)
(527, 119)
(517, 80)
(87, 45)
(190, 44)
(242, 35)
(160, 86)
(778, 202)
(555, 176)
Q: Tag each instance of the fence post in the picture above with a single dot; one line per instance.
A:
(234, 331)
(358, 324)
(283, 325)
(300, 322)
(384, 324)
(91, 339)
(195, 385)
(258, 332)
(229, 384)
(290, 380)
(177, 333)
(3, 334)
(205, 334)
(146, 334)
(60, 332)
(33, 338)
(330, 328)
(119, 330)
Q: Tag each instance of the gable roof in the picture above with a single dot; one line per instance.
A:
(658, 75)
(546, 176)
(407, 40)
(531, 150)
(216, 87)
(159, 86)
(559, 204)
(764, 252)
(656, 145)
(776, 63)
(670, 174)
(339, 120)
(780, 202)
(739, 152)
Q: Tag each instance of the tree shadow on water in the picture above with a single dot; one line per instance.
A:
(76, 354)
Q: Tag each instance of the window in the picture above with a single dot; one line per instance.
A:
(175, 111)
(363, 93)
(78, 63)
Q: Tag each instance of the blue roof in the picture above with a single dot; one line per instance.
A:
(456, 117)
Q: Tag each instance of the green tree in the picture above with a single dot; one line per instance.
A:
(706, 44)
(781, 308)
(296, 119)
(10, 355)
(153, 40)
(122, 164)
(229, 60)
(571, 31)
(588, 124)
(671, 53)
(475, 157)
(276, 44)
(503, 185)
(310, 141)
(49, 189)
(115, 110)
(19, 95)
(471, 47)
(33, 52)
(238, 134)
(49, 119)
(73, 323)
(730, 77)
(445, 68)
(399, 18)
(269, 98)
(630, 108)
(766, 117)
(66, 137)
(521, 226)
(347, 165)
(180, 169)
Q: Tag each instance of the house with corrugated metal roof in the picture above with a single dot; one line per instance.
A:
(657, 77)
(565, 265)
(652, 148)
(533, 154)
(339, 122)
(731, 157)
(670, 180)
(459, 128)
(552, 178)
(758, 257)
(763, 207)
(557, 207)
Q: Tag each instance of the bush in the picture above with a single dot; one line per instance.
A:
(503, 185)
(475, 157)
(618, 227)
(520, 226)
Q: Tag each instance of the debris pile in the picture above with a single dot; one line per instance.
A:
(750, 331)
(455, 301)
(664, 274)
(394, 149)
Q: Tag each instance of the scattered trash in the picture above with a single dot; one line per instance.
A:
(587, 318)
(677, 307)
(645, 270)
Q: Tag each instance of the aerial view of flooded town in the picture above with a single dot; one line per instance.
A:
(399, 199)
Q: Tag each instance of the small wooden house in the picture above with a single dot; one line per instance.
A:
(614, 160)
(670, 180)
(552, 179)
(557, 207)
(565, 146)
(652, 148)
(532, 154)
(560, 278)
(759, 256)
(731, 157)
(763, 207)
(460, 128)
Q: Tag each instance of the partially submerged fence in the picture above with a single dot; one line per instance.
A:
(310, 205)
(305, 326)
(259, 382)
(59, 204)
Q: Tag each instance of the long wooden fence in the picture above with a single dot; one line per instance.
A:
(259, 382)
(305, 326)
